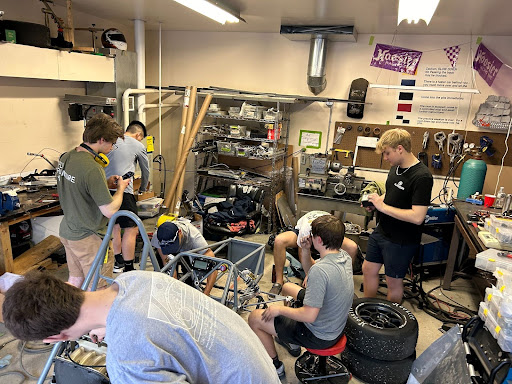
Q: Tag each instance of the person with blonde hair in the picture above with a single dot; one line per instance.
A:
(400, 215)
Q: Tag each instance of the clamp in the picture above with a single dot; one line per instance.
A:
(439, 137)
(425, 139)
(347, 152)
(454, 145)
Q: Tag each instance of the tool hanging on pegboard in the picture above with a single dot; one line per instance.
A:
(439, 138)
(454, 145)
(486, 145)
(423, 156)
(437, 162)
(339, 135)
(425, 140)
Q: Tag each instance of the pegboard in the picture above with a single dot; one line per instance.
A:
(367, 158)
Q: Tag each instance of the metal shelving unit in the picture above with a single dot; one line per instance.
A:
(275, 177)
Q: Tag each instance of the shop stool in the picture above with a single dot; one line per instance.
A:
(320, 365)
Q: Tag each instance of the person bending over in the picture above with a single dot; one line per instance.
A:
(327, 299)
(173, 237)
(175, 333)
(292, 239)
(400, 216)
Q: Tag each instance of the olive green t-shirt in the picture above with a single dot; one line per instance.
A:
(82, 188)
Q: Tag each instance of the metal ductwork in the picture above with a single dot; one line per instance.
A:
(318, 35)
(316, 64)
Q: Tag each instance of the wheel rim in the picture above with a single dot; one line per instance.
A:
(380, 315)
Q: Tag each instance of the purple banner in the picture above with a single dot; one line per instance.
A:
(396, 59)
(486, 64)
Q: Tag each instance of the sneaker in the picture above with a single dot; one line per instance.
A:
(118, 267)
(293, 349)
(275, 290)
(280, 371)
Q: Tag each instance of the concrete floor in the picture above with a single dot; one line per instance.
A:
(462, 292)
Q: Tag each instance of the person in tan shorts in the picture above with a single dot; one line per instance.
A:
(85, 198)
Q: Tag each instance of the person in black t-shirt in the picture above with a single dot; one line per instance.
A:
(401, 212)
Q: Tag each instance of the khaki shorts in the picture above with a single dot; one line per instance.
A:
(80, 255)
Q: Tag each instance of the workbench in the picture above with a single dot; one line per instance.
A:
(464, 234)
(32, 205)
(308, 202)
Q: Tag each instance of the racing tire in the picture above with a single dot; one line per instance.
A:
(381, 329)
(373, 371)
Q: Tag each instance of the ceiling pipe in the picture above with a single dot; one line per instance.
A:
(316, 65)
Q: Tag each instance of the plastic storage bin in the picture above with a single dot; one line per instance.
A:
(149, 207)
(490, 259)
(244, 150)
(503, 234)
(483, 310)
(492, 325)
(226, 148)
(505, 341)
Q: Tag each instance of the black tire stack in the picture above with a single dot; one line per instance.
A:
(381, 341)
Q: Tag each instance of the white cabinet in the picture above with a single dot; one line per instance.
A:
(24, 61)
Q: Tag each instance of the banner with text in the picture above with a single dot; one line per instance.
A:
(396, 58)
(486, 64)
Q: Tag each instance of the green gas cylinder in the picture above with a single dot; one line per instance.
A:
(472, 177)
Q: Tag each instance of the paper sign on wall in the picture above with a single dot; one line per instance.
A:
(310, 139)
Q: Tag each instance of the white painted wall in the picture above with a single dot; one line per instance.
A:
(268, 62)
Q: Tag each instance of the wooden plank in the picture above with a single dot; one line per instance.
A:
(36, 254)
(42, 265)
(278, 196)
(285, 211)
(6, 262)
(295, 177)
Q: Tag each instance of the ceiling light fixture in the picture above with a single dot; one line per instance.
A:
(429, 89)
(213, 9)
(414, 10)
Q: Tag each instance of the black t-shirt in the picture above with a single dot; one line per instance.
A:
(405, 188)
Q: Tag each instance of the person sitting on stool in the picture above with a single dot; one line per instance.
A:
(292, 239)
(173, 237)
(319, 323)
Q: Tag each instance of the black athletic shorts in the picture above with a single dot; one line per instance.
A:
(296, 332)
(129, 204)
(395, 257)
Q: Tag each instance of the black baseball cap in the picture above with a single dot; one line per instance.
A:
(168, 238)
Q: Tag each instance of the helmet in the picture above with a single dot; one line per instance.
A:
(113, 38)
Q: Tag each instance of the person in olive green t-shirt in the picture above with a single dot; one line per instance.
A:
(85, 198)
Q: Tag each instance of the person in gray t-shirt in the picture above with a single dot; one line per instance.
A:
(175, 333)
(173, 237)
(319, 323)
(129, 152)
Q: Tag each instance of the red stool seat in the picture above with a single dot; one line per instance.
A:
(331, 351)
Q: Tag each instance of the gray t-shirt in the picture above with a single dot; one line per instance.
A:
(330, 288)
(161, 330)
(123, 159)
(82, 189)
(192, 238)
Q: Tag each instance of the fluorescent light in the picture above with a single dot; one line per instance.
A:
(414, 10)
(214, 10)
(428, 89)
